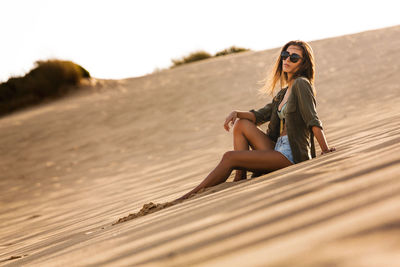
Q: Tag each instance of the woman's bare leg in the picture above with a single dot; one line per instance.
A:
(255, 160)
(245, 134)
(240, 142)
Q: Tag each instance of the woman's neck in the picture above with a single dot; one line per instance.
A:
(289, 78)
(290, 82)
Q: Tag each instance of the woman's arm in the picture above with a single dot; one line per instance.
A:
(306, 99)
(320, 136)
(238, 115)
(246, 115)
(258, 117)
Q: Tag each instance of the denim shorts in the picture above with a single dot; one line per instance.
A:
(282, 145)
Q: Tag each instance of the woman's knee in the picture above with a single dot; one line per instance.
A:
(228, 157)
(241, 125)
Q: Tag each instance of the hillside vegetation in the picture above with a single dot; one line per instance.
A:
(48, 79)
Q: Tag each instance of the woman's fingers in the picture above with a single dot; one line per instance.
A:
(231, 123)
(230, 119)
(329, 150)
(226, 125)
(227, 121)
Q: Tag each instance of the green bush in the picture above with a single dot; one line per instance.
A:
(50, 78)
(195, 56)
(200, 55)
(230, 50)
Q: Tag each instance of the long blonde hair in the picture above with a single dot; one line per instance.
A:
(306, 68)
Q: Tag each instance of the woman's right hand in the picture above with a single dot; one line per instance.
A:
(329, 150)
(230, 119)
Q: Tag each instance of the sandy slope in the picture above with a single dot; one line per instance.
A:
(71, 168)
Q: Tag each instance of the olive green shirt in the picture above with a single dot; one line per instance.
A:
(301, 116)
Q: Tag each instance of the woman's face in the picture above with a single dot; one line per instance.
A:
(287, 65)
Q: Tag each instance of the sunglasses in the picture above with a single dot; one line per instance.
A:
(293, 57)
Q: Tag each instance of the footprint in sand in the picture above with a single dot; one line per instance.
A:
(151, 207)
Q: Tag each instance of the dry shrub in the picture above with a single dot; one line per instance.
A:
(200, 55)
(194, 56)
(48, 79)
(231, 50)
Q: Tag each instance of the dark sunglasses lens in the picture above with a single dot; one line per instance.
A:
(285, 55)
(294, 58)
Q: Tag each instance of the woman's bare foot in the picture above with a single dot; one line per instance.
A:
(258, 174)
(240, 175)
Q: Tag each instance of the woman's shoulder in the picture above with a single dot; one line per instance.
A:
(302, 85)
(302, 81)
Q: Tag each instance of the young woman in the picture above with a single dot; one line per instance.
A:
(293, 123)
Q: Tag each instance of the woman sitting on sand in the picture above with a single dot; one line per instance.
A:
(293, 123)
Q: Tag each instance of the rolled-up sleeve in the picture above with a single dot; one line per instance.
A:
(306, 102)
(263, 114)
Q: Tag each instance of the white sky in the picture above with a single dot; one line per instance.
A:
(118, 39)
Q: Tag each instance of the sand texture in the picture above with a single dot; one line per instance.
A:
(122, 149)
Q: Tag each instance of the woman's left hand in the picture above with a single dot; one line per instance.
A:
(230, 120)
(329, 150)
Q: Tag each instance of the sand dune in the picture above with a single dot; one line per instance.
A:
(70, 169)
